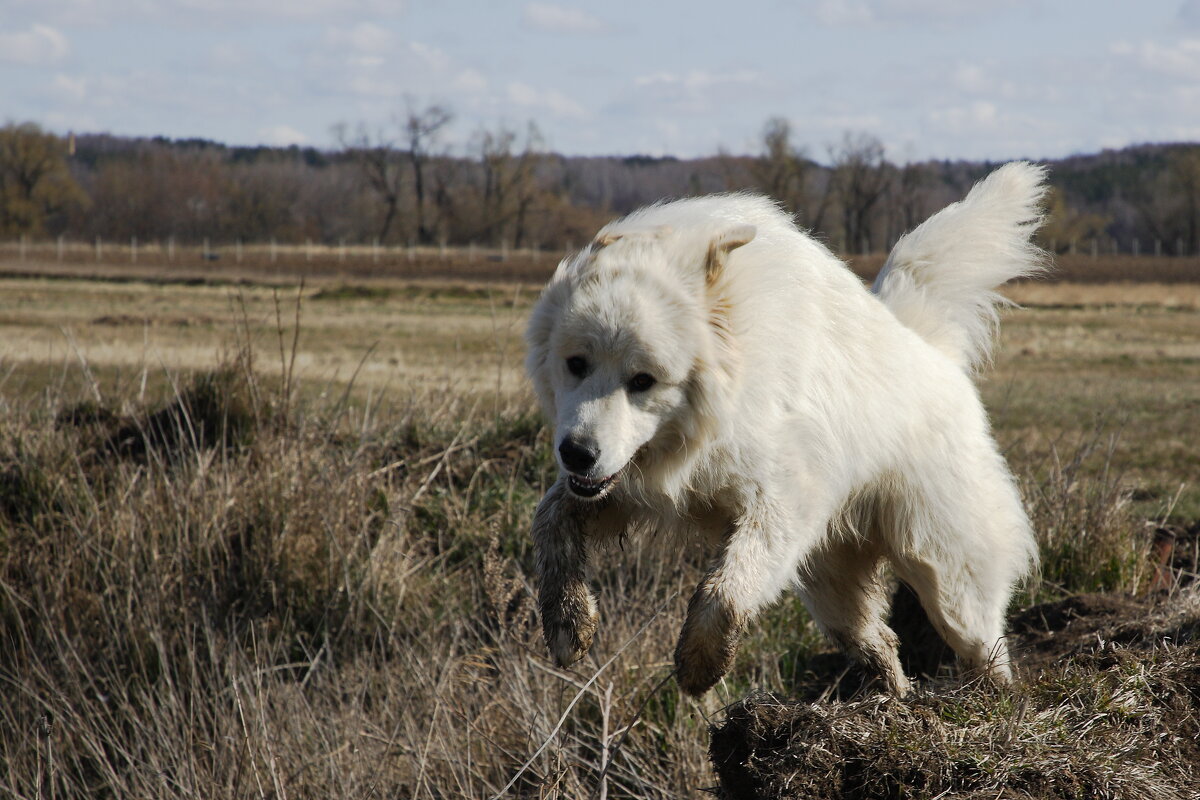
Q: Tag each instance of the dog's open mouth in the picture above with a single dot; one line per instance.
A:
(586, 487)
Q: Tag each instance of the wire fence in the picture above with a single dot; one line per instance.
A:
(1093, 259)
(345, 258)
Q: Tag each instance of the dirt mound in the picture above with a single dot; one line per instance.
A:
(1107, 705)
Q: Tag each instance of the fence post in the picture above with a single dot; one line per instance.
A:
(1135, 247)
(409, 251)
(1157, 247)
(375, 250)
(471, 252)
(132, 249)
(98, 248)
(204, 255)
(1179, 247)
(1072, 249)
(60, 248)
(170, 248)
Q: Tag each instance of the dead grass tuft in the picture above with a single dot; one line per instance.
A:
(1113, 723)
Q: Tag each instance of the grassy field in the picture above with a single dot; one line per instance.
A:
(259, 540)
(1077, 362)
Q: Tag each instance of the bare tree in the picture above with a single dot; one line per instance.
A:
(860, 179)
(781, 170)
(508, 186)
(908, 196)
(1185, 169)
(381, 167)
(421, 129)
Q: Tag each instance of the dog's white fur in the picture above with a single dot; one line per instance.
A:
(811, 427)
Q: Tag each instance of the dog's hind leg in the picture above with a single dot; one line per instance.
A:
(842, 585)
(962, 548)
(969, 617)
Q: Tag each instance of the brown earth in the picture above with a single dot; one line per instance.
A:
(1106, 704)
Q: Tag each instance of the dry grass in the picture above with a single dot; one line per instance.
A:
(302, 612)
(1116, 723)
(235, 576)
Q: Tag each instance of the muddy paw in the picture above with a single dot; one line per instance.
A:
(706, 646)
(698, 671)
(568, 625)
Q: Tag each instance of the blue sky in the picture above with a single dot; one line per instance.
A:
(931, 78)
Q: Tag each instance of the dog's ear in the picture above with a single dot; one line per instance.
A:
(722, 244)
(605, 239)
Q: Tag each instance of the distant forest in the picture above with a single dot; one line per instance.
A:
(504, 189)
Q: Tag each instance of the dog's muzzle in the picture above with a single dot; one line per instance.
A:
(588, 488)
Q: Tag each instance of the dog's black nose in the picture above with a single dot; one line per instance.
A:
(578, 455)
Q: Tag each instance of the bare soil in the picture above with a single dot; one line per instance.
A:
(1106, 704)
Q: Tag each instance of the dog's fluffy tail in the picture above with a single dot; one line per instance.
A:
(940, 279)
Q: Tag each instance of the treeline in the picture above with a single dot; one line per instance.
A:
(404, 186)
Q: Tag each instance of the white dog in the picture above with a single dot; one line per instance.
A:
(712, 369)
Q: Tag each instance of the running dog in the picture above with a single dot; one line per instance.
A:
(711, 369)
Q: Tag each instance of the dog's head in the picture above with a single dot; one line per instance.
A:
(622, 351)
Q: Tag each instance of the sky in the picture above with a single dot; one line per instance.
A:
(973, 79)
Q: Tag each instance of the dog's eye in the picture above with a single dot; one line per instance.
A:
(641, 382)
(577, 366)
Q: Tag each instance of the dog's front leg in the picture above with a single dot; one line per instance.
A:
(709, 639)
(566, 605)
(755, 566)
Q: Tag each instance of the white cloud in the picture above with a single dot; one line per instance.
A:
(697, 91)
(697, 80)
(864, 12)
(301, 8)
(281, 135)
(69, 87)
(844, 12)
(365, 37)
(552, 100)
(971, 117)
(231, 10)
(433, 57)
(200, 13)
(559, 19)
(227, 55)
(470, 80)
(833, 126)
(374, 86)
(39, 45)
(971, 78)
(1178, 60)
